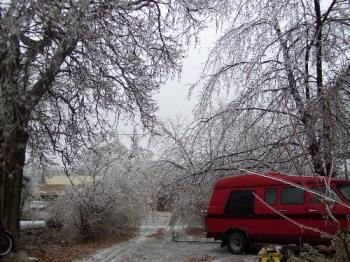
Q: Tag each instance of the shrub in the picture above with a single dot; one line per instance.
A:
(105, 206)
(189, 203)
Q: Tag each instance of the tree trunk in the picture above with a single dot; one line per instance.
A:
(307, 118)
(313, 145)
(326, 135)
(11, 174)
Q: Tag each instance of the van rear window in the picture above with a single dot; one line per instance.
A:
(240, 204)
(292, 196)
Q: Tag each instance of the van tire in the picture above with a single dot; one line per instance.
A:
(237, 242)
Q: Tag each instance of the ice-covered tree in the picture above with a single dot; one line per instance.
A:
(286, 65)
(68, 69)
(110, 196)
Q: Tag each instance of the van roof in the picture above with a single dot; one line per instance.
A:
(268, 179)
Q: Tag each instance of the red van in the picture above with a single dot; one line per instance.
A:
(252, 208)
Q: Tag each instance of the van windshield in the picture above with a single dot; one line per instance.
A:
(345, 190)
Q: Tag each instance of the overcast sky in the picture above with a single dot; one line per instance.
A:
(172, 98)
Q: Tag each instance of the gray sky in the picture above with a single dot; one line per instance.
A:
(172, 98)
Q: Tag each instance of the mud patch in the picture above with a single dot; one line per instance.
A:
(159, 234)
(195, 232)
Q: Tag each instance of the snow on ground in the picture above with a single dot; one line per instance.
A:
(152, 246)
(32, 224)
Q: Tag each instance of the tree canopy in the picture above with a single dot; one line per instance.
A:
(286, 65)
(70, 69)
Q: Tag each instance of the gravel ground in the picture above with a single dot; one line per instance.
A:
(155, 243)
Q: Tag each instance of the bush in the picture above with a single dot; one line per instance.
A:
(341, 245)
(189, 203)
(105, 206)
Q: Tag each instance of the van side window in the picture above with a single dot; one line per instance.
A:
(322, 189)
(240, 204)
(292, 196)
(271, 196)
(345, 190)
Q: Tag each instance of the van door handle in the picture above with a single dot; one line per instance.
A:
(312, 210)
(282, 210)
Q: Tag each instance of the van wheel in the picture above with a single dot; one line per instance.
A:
(237, 242)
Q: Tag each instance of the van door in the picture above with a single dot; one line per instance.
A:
(317, 214)
(324, 215)
(339, 211)
(264, 214)
(240, 213)
(291, 205)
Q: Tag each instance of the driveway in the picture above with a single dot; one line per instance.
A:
(155, 242)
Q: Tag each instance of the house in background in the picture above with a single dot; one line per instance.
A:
(55, 185)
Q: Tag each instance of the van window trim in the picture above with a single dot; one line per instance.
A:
(281, 195)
